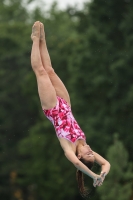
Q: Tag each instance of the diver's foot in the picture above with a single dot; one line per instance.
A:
(42, 33)
(36, 30)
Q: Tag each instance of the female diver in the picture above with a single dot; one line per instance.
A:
(56, 106)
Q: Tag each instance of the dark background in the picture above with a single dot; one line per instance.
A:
(92, 52)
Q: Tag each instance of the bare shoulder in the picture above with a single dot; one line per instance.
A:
(99, 159)
(69, 150)
(66, 145)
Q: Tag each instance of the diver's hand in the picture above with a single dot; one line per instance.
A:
(97, 180)
(103, 174)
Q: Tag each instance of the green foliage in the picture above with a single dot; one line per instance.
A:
(119, 180)
(102, 66)
(12, 11)
(43, 164)
(91, 50)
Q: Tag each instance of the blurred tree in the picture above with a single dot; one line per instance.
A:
(119, 181)
(14, 48)
(101, 68)
(90, 50)
(12, 11)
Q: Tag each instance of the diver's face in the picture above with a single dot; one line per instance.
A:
(86, 153)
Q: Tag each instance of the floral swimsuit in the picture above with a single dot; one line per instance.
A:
(64, 122)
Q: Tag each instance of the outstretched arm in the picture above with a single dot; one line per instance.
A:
(80, 166)
(105, 165)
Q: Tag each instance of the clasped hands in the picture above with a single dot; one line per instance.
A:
(98, 180)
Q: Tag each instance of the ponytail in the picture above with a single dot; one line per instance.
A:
(80, 179)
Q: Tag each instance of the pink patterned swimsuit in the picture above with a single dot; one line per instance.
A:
(64, 123)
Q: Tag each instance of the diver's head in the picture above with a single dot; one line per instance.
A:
(85, 155)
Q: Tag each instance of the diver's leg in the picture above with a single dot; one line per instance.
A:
(60, 88)
(46, 90)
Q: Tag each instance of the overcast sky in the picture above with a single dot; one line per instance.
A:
(62, 4)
